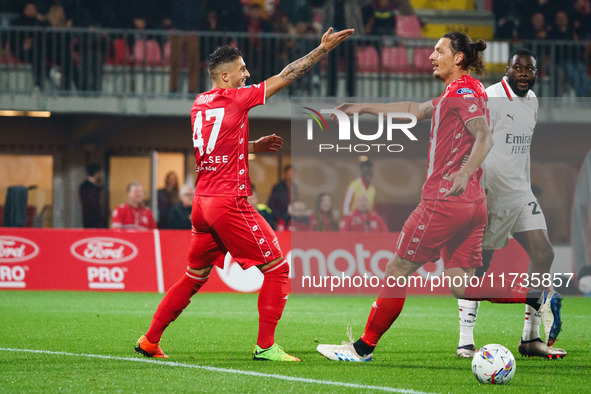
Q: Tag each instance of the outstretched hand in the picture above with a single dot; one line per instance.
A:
(331, 40)
(268, 143)
(348, 108)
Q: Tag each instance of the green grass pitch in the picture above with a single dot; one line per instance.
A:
(219, 331)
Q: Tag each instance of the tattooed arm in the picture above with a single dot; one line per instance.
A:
(298, 68)
(421, 110)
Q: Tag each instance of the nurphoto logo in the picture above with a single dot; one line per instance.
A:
(369, 141)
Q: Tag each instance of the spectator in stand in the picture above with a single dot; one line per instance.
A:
(268, 7)
(230, 14)
(93, 199)
(179, 216)
(297, 13)
(404, 7)
(59, 47)
(547, 7)
(340, 15)
(562, 29)
(133, 215)
(139, 22)
(260, 52)
(85, 12)
(211, 24)
(358, 187)
(323, 219)
(185, 17)
(27, 46)
(280, 198)
(381, 20)
(536, 30)
(167, 198)
(570, 56)
(508, 16)
(256, 23)
(300, 217)
(580, 15)
(261, 208)
(296, 18)
(90, 47)
(364, 219)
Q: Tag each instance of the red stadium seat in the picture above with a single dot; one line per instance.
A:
(367, 59)
(395, 59)
(420, 60)
(120, 53)
(6, 55)
(147, 53)
(408, 26)
(166, 59)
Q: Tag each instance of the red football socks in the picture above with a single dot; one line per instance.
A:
(385, 310)
(272, 299)
(174, 302)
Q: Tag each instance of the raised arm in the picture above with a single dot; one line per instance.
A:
(484, 142)
(422, 111)
(298, 68)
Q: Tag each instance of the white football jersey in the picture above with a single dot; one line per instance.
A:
(506, 168)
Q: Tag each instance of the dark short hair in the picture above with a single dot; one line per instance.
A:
(367, 163)
(521, 52)
(93, 168)
(461, 42)
(222, 55)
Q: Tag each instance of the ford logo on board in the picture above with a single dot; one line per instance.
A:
(16, 249)
(103, 250)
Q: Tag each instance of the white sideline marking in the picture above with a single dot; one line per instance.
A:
(224, 370)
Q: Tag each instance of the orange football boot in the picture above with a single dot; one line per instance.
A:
(148, 349)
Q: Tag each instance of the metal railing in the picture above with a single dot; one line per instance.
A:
(157, 63)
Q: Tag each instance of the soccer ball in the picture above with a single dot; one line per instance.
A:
(493, 364)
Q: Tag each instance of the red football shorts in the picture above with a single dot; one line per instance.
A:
(450, 230)
(230, 224)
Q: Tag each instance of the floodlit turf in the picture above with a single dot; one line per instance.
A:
(219, 330)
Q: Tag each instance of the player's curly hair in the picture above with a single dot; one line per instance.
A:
(222, 55)
(461, 42)
(521, 52)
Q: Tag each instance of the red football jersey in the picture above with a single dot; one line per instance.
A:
(451, 142)
(220, 139)
(127, 218)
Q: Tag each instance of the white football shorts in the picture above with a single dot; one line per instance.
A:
(503, 223)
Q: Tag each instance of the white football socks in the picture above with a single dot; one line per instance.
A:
(468, 312)
(531, 328)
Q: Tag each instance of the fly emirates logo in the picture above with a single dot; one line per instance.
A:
(352, 139)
